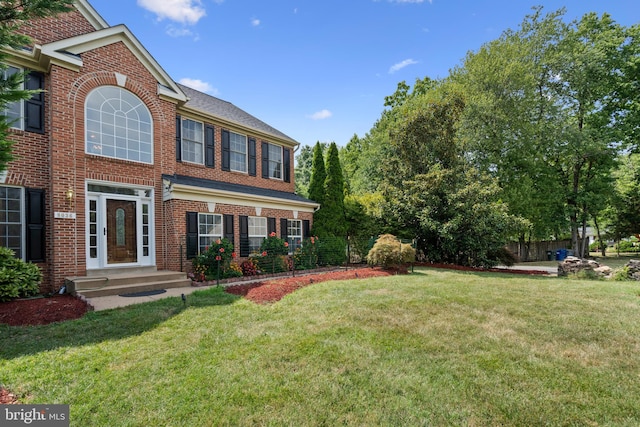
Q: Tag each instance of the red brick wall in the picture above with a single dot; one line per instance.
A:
(200, 171)
(64, 26)
(57, 162)
(175, 214)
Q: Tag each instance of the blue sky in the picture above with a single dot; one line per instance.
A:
(318, 70)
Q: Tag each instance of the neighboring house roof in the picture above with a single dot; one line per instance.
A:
(210, 105)
(245, 192)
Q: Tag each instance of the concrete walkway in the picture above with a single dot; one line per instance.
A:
(115, 301)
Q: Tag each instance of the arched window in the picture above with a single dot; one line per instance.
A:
(118, 124)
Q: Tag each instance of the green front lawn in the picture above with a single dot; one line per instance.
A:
(433, 348)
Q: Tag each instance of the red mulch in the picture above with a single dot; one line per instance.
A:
(275, 290)
(42, 311)
(7, 398)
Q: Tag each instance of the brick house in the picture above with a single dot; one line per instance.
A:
(117, 167)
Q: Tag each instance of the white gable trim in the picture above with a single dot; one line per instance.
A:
(91, 15)
(66, 53)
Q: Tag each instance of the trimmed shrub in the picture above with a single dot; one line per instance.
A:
(18, 279)
(389, 251)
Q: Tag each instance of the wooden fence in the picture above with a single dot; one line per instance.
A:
(537, 251)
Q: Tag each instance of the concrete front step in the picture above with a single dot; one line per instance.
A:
(122, 283)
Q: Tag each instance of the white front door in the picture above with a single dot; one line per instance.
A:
(119, 227)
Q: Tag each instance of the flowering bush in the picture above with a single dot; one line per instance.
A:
(273, 257)
(306, 256)
(249, 267)
(215, 260)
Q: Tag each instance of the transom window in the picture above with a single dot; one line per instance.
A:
(275, 161)
(118, 125)
(257, 232)
(14, 110)
(209, 230)
(192, 141)
(237, 152)
(294, 234)
(11, 219)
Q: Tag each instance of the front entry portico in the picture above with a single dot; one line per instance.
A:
(120, 230)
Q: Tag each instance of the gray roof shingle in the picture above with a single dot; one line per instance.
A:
(227, 111)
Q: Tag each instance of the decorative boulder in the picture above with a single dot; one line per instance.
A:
(573, 265)
(633, 269)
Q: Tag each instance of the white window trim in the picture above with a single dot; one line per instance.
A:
(292, 247)
(213, 236)
(246, 153)
(281, 162)
(151, 136)
(23, 221)
(182, 145)
(263, 236)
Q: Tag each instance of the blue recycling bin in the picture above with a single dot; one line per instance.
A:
(561, 254)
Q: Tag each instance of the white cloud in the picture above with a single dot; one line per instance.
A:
(320, 115)
(255, 22)
(183, 11)
(199, 85)
(400, 65)
(178, 32)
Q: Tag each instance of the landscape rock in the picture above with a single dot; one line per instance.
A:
(574, 265)
(633, 268)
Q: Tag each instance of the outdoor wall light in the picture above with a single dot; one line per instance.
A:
(69, 195)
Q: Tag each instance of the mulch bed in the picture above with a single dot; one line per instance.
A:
(42, 311)
(274, 290)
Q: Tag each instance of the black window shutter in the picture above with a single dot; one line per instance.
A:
(34, 107)
(35, 250)
(226, 151)
(227, 222)
(306, 227)
(244, 235)
(271, 225)
(192, 234)
(178, 139)
(284, 228)
(265, 160)
(252, 157)
(286, 165)
(209, 139)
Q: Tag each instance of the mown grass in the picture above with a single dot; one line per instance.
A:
(433, 348)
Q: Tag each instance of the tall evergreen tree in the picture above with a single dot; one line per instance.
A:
(333, 218)
(318, 175)
(13, 15)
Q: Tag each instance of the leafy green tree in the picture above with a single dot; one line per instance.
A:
(432, 189)
(543, 116)
(624, 213)
(302, 170)
(318, 174)
(13, 15)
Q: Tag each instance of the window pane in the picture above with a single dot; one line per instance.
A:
(115, 117)
(209, 229)
(11, 219)
(238, 152)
